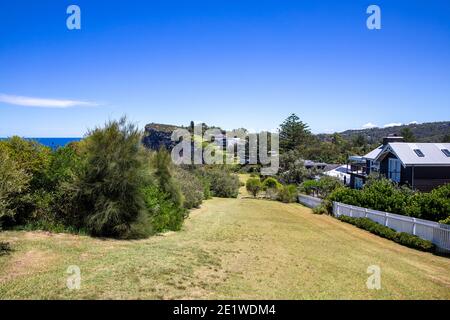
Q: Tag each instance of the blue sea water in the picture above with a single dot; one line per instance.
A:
(53, 143)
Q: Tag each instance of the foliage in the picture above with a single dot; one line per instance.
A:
(407, 134)
(384, 195)
(322, 187)
(191, 187)
(309, 187)
(254, 186)
(30, 156)
(5, 248)
(293, 133)
(163, 213)
(288, 193)
(162, 163)
(107, 190)
(320, 209)
(14, 182)
(388, 233)
(271, 183)
(222, 183)
(292, 168)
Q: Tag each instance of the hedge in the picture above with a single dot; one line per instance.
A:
(402, 238)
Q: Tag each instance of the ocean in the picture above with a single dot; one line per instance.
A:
(53, 143)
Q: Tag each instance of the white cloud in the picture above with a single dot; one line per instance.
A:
(413, 122)
(394, 124)
(44, 102)
(369, 125)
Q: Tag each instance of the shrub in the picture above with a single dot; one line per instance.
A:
(14, 182)
(288, 193)
(403, 238)
(309, 186)
(106, 192)
(191, 187)
(5, 248)
(384, 195)
(222, 183)
(253, 185)
(270, 183)
(163, 214)
(320, 209)
(162, 163)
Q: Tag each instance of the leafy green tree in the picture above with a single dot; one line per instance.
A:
(294, 133)
(14, 182)
(446, 138)
(292, 168)
(360, 141)
(253, 185)
(407, 135)
(164, 176)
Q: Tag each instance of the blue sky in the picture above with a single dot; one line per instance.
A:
(247, 63)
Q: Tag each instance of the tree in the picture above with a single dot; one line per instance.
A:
(253, 185)
(407, 135)
(292, 168)
(293, 133)
(107, 193)
(163, 174)
(446, 138)
(14, 182)
(360, 140)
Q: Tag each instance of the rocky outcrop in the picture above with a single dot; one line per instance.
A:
(158, 135)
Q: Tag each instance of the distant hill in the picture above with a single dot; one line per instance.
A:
(423, 132)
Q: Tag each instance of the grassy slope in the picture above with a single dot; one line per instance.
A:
(230, 248)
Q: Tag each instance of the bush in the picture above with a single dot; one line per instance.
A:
(384, 195)
(253, 186)
(320, 209)
(403, 238)
(107, 195)
(5, 248)
(222, 183)
(163, 214)
(309, 187)
(14, 183)
(191, 187)
(288, 193)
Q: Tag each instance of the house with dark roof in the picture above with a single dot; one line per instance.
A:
(421, 166)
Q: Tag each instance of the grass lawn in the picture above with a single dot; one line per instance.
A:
(229, 248)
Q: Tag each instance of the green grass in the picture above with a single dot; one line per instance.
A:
(230, 248)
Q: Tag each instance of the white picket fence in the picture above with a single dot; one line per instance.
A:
(437, 233)
(309, 201)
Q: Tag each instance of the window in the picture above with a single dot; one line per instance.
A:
(446, 152)
(419, 153)
(394, 170)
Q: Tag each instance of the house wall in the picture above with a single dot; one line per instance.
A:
(425, 178)
(428, 178)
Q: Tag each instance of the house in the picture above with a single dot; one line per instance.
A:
(421, 166)
(338, 171)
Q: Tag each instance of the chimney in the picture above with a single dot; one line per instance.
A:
(392, 138)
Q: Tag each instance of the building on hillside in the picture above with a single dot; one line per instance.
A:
(421, 166)
(338, 171)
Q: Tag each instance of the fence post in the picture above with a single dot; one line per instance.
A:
(351, 212)
(365, 212)
(386, 219)
(414, 226)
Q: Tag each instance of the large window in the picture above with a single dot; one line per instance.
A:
(394, 170)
